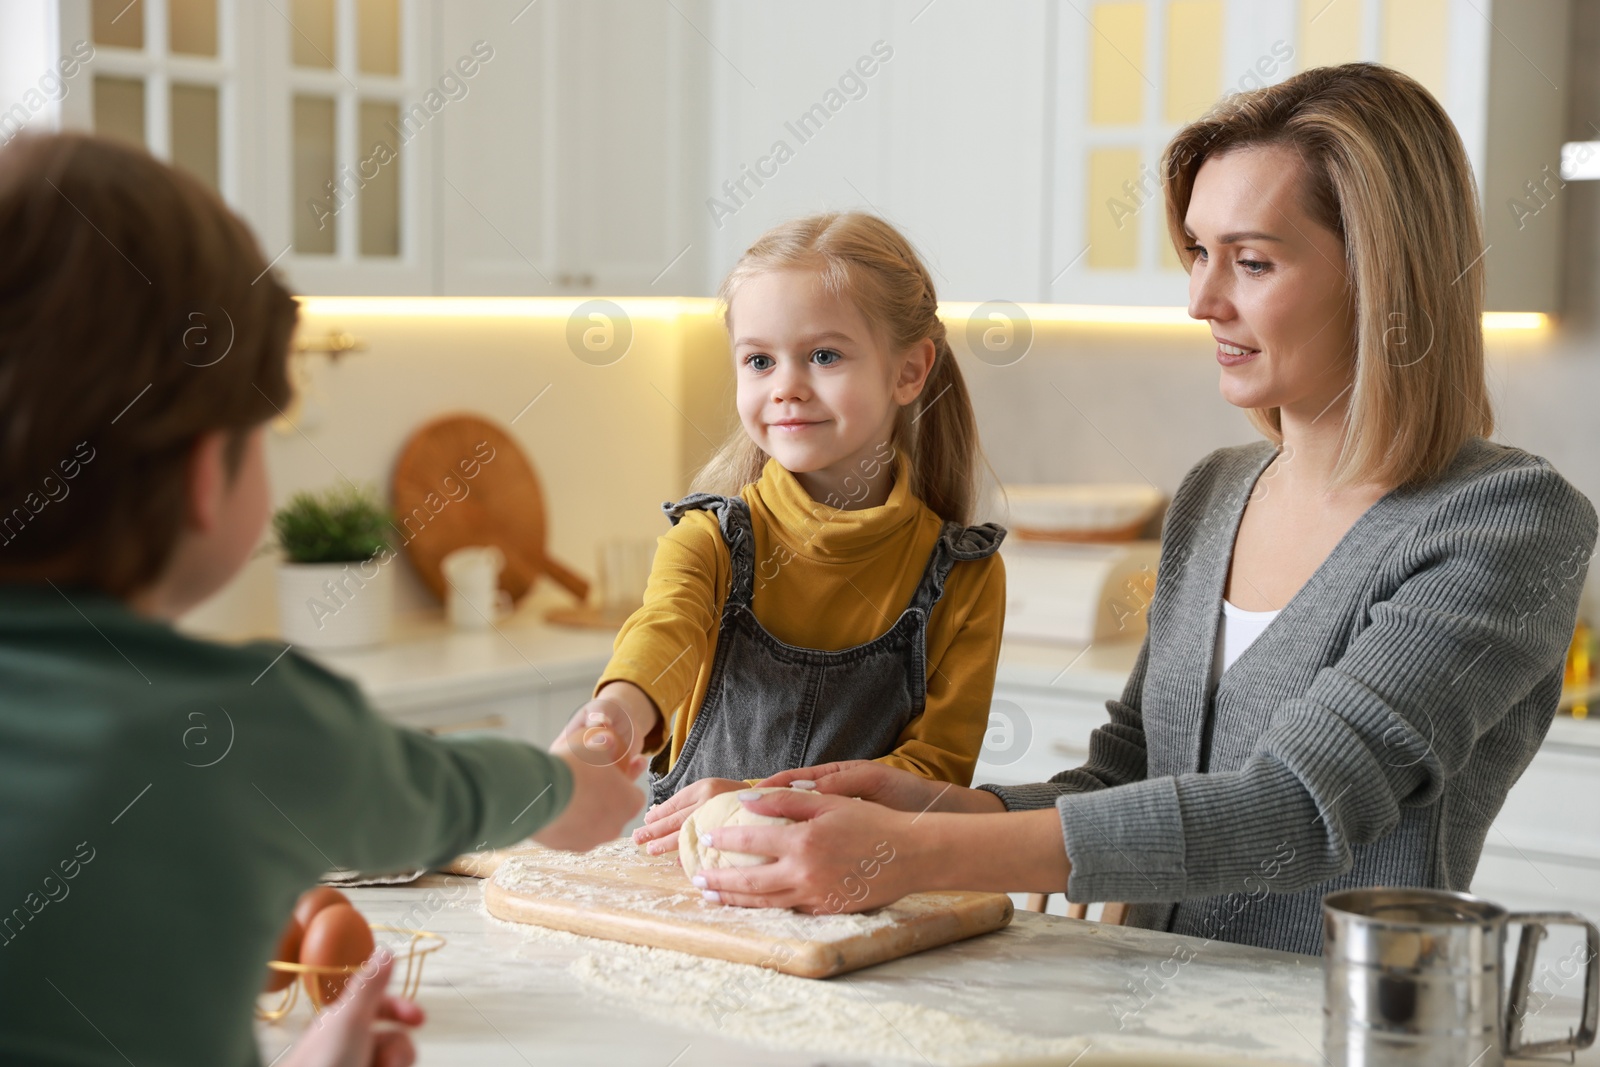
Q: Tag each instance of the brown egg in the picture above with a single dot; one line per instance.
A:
(288, 951)
(313, 901)
(337, 937)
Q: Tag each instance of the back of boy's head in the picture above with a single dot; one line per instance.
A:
(136, 313)
(861, 258)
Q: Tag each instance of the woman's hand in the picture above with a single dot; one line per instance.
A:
(846, 855)
(840, 856)
(345, 1034)
(889, 786)
(659, 834)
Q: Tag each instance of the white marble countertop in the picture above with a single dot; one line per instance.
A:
(497, 995)
(427, 663)
(502, 994)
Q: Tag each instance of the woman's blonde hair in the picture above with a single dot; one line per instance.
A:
(865, 260)
(1386, 171)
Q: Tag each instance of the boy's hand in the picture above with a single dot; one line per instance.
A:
(659, 833)
(345, 1033)
(604, 796)
(600, 733)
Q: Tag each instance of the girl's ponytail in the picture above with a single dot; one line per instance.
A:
(942, 437)
(863, 258)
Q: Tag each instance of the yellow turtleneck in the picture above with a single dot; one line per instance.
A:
(825, 579)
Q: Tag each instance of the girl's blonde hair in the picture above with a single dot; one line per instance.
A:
(1386, 170)
(864, 259)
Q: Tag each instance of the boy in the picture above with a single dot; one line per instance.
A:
(149, 868)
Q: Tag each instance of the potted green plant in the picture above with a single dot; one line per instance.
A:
(335, 589)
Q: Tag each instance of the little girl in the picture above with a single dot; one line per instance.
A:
(821, 598)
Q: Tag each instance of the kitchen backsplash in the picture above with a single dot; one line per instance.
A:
(612, 440)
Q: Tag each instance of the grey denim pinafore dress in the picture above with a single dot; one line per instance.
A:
(771, 706)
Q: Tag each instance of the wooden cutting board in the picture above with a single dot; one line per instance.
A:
(462, 480)
(619, 893)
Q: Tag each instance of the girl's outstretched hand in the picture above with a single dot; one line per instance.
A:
(659, 833)
(841, 855)
(869, 780)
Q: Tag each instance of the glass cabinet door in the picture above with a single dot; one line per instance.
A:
(346, 135)
(165, 77)
(309, 117)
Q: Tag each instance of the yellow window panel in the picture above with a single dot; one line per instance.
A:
(117, 23)
(1414, 36)
(1330, 32)
(311, 36)
(1116, 64)
(196, 131)
(378, 36)
(119, 108)
(1194, 58)
(192, 27)
(1121, 190)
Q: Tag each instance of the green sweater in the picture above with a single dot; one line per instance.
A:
(163, 801)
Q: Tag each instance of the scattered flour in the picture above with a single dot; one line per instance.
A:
(763, 1007)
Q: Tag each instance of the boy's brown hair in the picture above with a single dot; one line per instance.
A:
(136, 313)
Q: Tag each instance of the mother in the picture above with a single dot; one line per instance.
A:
(1356, 641)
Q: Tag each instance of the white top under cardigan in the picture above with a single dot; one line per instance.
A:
(1237, 630)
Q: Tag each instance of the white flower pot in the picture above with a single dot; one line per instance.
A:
(336, 605)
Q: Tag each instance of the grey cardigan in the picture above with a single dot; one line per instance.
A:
(1367, 737)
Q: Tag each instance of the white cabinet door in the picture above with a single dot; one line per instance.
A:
(966, 175)
(339, 135)
(569, 168)
(1034, 734)
(497, 195)
(799, 101)
(302, 114)
(930, 115)
(632, 125)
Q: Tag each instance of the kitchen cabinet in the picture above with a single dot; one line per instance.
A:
(637, 147)
(576, 163)
(931, 115)
(1543, 851)
(1129, 74)
(398, 147)
(304, 115)
(1019, 146)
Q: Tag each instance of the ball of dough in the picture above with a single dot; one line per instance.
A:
(724, 809)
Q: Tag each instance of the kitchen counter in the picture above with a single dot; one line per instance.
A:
(498, 993)
(427, 665)
(426, 662)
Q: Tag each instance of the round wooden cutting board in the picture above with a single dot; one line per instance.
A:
(460, 481)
